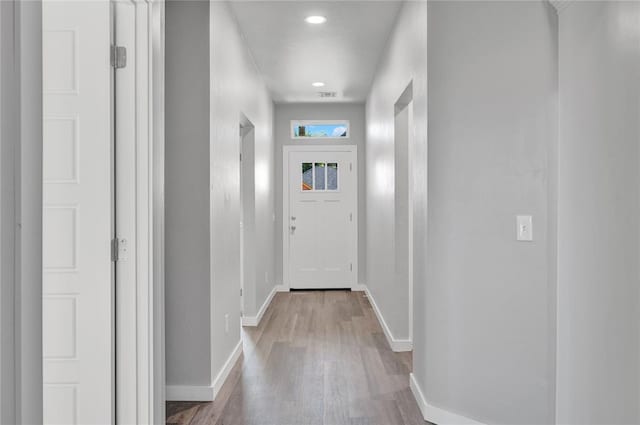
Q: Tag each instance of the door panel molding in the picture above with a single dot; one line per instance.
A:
(77, 210)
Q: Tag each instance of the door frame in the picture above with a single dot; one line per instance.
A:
(247, 210)
(405, 102)
(242, 219)
(146, 363)
(286, 278)
(21, 395)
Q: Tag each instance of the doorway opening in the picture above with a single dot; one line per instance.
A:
(247, 210)
(403, 154)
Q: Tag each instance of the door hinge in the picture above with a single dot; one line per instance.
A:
(350, 166)
(118, 57)
(350, 216)
(351, 267)
(240, 157)
(118, 249)
(240, 291)
(114, 249)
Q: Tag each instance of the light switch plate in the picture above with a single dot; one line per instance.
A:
(525, 227)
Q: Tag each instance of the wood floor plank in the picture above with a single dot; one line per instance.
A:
(317, 358)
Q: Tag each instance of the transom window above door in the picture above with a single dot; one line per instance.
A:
(319, 176)
(328, 129)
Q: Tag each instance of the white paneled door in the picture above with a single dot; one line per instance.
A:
(321, 218)
(78, 272)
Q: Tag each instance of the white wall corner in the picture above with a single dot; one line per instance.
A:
(360, 287)
(255, 320)
(205, 392)
(434, 414)
(397, 345)
(281, 288)
(189, 393)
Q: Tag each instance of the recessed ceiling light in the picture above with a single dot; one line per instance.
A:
(315, 19)
(318, 84)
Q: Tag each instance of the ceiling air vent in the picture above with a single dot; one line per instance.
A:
(324, 94)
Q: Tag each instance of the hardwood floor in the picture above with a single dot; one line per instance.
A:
(318, 357)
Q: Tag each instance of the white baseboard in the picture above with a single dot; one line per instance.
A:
(226, 368)
(203, 392)
(359, 287)
(397, 345)
(434, 414)
(255, 320)
(282, 288)
(189, 393)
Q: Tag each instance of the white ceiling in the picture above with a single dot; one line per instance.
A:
(291, 54)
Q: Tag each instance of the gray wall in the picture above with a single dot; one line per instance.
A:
(403, 62)
(237, 88)
(489, 339)
(8, 135)
(29, 215)
(355, 113)
(211, 81)
(188, 288)
(599, 214)
(21, 212)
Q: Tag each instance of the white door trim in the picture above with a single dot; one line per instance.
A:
(411, 167)
(405, 103)
(145, 389)
(247, 210)
(285, 202)
(410, 151)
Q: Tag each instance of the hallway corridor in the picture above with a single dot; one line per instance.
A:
(318, 357)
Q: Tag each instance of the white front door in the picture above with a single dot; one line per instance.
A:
(78, 321)
(321, 218)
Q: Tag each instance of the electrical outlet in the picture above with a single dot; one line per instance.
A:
(226, 323)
